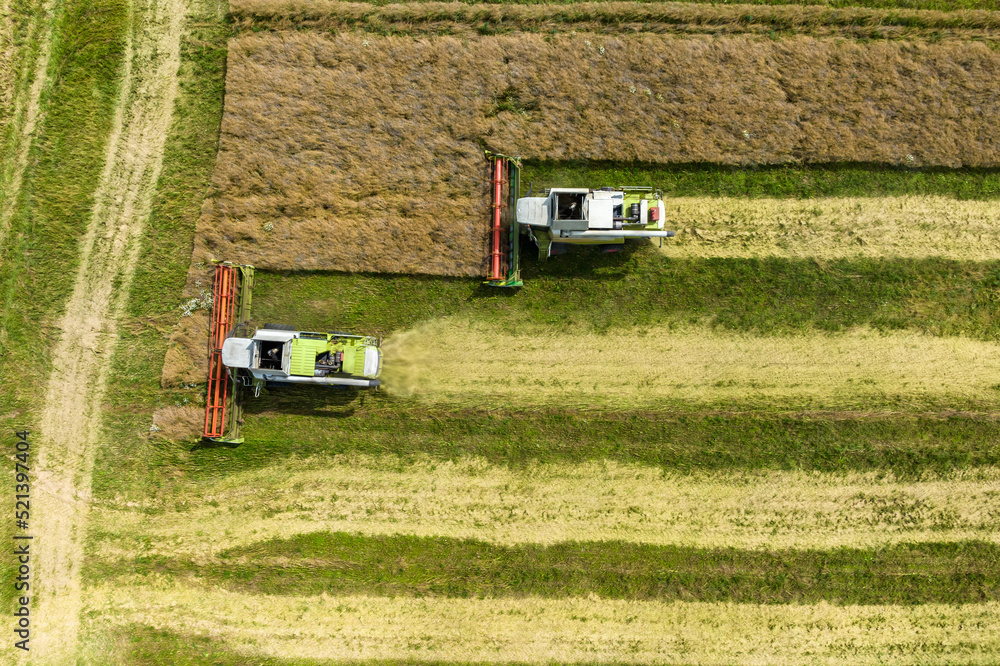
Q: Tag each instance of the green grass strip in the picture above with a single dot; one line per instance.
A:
(303, 423)
(798, 181)
(639, 287)
(345, 564)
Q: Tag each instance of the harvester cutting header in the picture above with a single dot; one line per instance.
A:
(563, 217)
(243, 358)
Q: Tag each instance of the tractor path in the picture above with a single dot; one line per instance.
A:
(26, 108)
(70, 423)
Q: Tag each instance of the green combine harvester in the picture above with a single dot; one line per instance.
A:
(563, 217)
(243, 359)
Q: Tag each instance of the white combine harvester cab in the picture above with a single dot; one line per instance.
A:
(581, 216)
(300, 357)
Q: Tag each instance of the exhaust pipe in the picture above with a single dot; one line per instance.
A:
(627, 233)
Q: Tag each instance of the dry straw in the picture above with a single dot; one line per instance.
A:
(551, 503)
(831, 228)
(362, 153)
(558, 630)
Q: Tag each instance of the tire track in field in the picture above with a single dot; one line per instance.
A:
(534, 630)
(26, 113)
(71, 419)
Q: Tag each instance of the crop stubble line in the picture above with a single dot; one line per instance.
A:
(572, 629)
(26, 115)
(550, 503)
(70, 423)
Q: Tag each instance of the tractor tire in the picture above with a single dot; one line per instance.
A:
(277, 327)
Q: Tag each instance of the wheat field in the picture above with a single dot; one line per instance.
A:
(364, 153)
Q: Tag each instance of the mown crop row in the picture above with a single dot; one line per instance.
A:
(549, 503)
(567, 630)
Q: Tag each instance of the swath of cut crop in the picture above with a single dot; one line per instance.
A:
(550, 503)
(833, 228)
(462, 362)
(362, 153)
(564, 630)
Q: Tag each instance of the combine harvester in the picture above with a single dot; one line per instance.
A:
(565, 216)
(273, 354)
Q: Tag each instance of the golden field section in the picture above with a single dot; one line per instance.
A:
(454, 361)
(362, 153)
(833, 228)
(550, 503)
(563, 630)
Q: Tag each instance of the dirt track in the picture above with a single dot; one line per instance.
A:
(70, 424)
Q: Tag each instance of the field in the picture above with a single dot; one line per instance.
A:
(771, 439)
(364, 153)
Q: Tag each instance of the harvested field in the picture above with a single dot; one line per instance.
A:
(671, 367)
(612, 17)
(577, 629)
(362, 153)
(833, 228)
(551, 503)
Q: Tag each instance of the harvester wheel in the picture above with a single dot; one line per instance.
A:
(277, 327)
